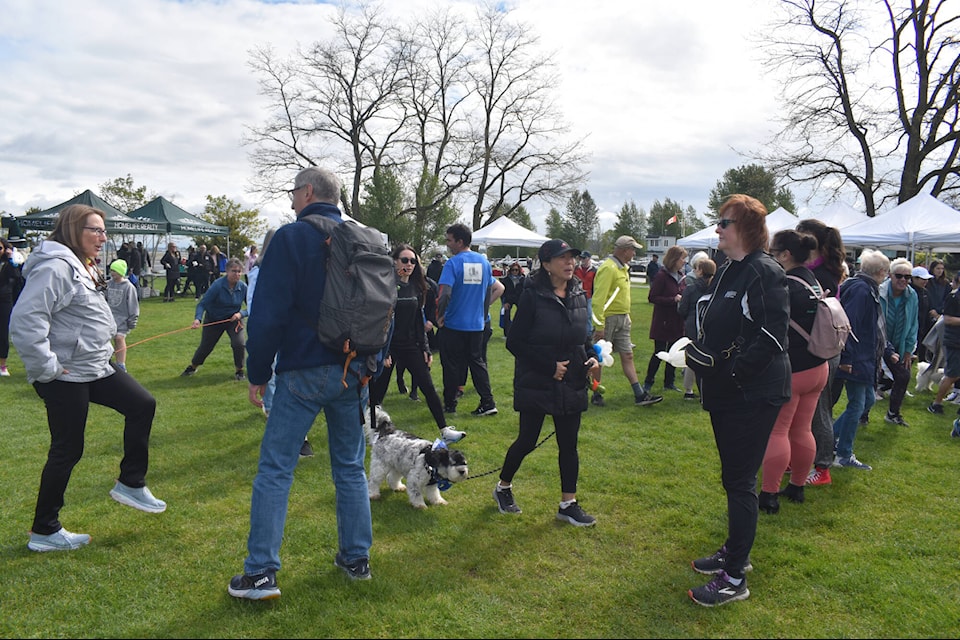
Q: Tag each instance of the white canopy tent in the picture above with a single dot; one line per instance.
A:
(777, 220)
(504, 232)
(839, 216)
(922, 222)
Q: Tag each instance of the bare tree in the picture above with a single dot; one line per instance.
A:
(521, 133)
(839, 130)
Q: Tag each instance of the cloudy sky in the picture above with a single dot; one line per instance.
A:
(665, 93)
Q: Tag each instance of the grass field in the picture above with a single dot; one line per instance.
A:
(876, 554)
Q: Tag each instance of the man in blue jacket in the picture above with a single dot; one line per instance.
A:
(283, 324)
(220, 308)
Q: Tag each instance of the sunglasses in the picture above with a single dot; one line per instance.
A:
(900, 276)
(723, 223)
(407, 260)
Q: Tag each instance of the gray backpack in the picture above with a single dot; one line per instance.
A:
(831, 327)
(356, 313)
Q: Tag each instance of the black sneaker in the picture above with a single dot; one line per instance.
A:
(306, 451)
(485, 411)
(576, 516)
(647, 399)
(597, 400)
(936, 409)
(690, 396)
(239, 375)
(261, 587)
(189, 371)
(719, 591)
(414, 396)
(505, 501)
(449, 408)
(864, 419)
(712, 565)
(357, 570)
(895, 418)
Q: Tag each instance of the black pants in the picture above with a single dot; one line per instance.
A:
(669, 374)
(741, 435)
(6, 308)
(567, 429)
(211, 335)
(411, 359)
(67, 405)
(461, 351)
(173, 282)
(901, 379)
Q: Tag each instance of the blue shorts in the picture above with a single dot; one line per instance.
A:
(951, 364)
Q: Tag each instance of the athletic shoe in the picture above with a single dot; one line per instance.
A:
(485, 411)
(953, 396)
(239, 375)
(61, 540)
(895, 418)
(719, 591)
(819, 477)
(414, 396)
(451, 435)
(864, 419)
(712, 565)
(306, 451)
(357, 570)
(851, 462)
(189, 371)
(936, 409)
(646, 399)
(576, 516)
(261, 587)
(690, 396)
(140, 498)
(956, 429)
(505, 501)
(672, 388)
(4, 372)
(121, 366)
(450, 408)
(597, 400)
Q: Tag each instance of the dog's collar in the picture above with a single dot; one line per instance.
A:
(442, 483)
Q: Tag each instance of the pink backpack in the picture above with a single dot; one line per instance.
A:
(831, 327)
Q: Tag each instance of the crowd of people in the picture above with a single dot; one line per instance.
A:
(770, 400)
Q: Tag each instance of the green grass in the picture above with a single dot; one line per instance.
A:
(873, 555)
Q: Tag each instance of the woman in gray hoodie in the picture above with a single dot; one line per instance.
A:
(62, 328)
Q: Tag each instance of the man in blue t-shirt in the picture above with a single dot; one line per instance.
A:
(466, 291)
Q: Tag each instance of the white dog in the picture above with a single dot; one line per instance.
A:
(426, 465)
(928, 378)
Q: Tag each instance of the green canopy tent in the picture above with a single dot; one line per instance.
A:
(176, 220)
(116, 222)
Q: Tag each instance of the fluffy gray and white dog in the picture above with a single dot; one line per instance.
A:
(396, 454)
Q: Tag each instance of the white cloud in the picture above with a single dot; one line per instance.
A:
(97, 89)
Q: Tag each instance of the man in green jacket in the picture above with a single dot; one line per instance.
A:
(611, 315)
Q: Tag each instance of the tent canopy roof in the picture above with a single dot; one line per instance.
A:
(116, 222)
(175, 219)
(504, 232)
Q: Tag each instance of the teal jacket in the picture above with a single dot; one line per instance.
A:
(906, 341)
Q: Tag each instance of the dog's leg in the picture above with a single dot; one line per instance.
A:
(374, 478)
(394, 480)
(431, 494)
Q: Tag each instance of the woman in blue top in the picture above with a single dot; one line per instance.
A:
(222, 305)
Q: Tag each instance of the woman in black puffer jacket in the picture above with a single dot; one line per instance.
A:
(553, 360)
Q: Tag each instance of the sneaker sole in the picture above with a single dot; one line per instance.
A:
(739, 596)
(500, 509)
(574, 521)
(254, 594)
(647, 403)
(122, 499)
(748, 567)
(352, 576)
(488, 412)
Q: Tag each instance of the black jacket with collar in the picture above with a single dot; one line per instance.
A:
(748, 299)
(546, 330)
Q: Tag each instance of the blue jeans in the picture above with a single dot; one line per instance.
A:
(300, 397)
(860, 397)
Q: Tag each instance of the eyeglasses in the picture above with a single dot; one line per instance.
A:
(900, 276)
(514, 270)
(407, 260)
(97, 230)
(723, 223)
(290, 192)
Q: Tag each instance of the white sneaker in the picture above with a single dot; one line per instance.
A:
(61, 540)
(4, 372)
(140, 498)
(451, 435)
(953, 396)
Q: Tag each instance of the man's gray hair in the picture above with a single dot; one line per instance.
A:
(873, 262)
(326, 185)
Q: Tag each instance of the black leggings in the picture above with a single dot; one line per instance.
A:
(567, 429)
(67, 405)
(173, 281)
(412, 359)
(741, 436)
(669, 374)
(5, 309)
(210, 337)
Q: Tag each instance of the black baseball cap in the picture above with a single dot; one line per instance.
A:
(555, 248)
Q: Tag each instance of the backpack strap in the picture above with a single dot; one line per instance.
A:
(793, 323)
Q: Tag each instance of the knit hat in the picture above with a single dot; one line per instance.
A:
(120, 266)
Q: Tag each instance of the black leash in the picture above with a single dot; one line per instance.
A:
(472, 477)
